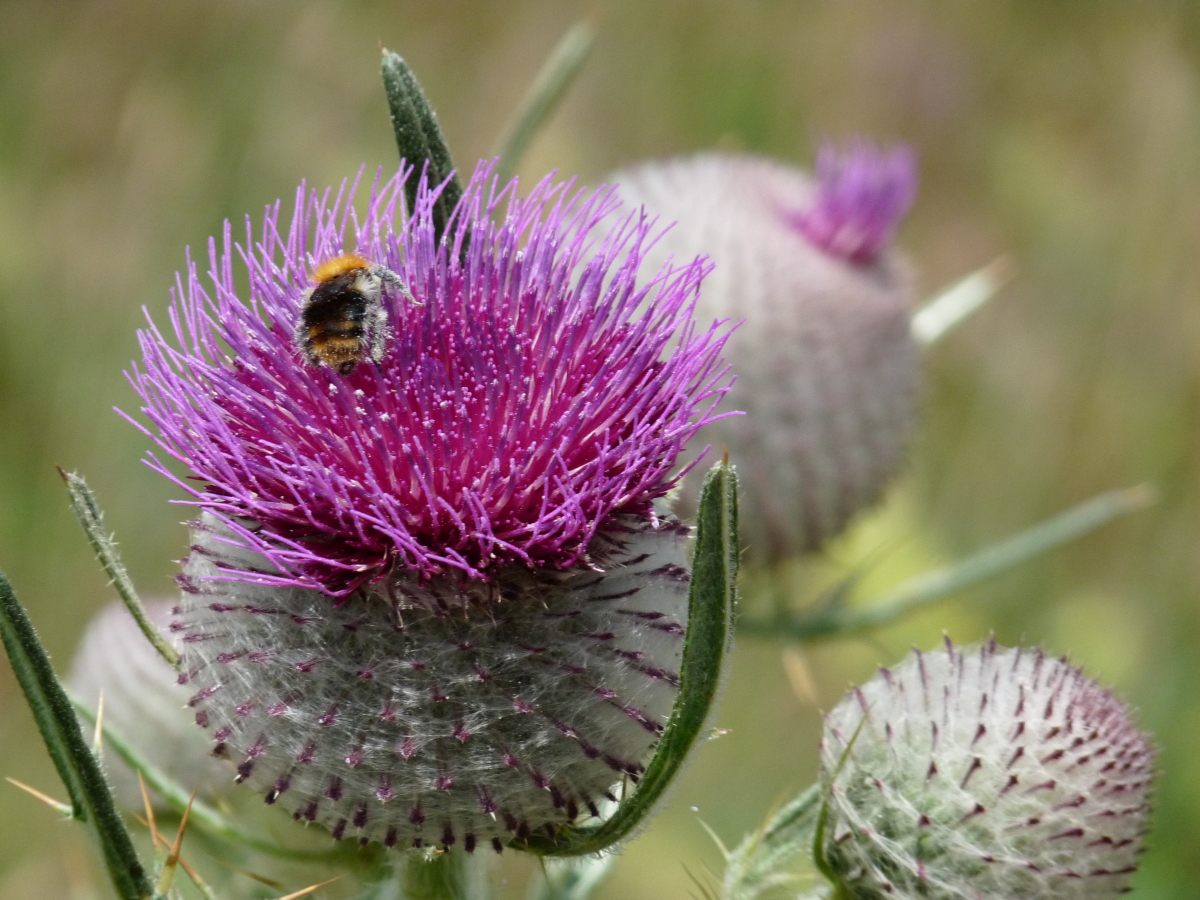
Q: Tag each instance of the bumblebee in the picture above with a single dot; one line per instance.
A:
(342, 320)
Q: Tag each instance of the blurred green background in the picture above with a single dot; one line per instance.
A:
(1064, 135)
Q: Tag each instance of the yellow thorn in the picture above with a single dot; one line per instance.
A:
(187, 814)
(310, 889)
(799, 675)
(98, 737)
(159, 839)
(64, 808)
(168, 869)
(150, 823)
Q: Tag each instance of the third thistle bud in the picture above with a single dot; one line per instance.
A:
(983, 772)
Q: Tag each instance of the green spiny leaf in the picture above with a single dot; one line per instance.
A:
(827, 620)
(87, 511)
(710, 613)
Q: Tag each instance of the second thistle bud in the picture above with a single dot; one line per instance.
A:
(983, 772)
(827, 370)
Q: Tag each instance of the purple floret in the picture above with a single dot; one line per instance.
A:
(861, 197)
(539, 391)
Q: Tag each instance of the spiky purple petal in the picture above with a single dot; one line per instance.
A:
(539, 392)
(861, 196)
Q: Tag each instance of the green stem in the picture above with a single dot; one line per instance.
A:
(87, 511)
(836, 620)
(573, 879)
(447, 876)
(77, 765)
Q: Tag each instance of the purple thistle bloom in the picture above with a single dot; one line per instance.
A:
(538, 393)
(861, 197)
(479, 496)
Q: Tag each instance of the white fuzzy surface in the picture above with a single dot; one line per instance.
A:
(984, 773)
(448, 712)
(827, 371)
(143, 702)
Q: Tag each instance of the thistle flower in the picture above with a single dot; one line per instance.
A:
(827, 368)
(143, 702)
(429, 599)
(984, 772)
(861, 196)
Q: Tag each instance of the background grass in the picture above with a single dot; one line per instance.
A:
(1065, 135)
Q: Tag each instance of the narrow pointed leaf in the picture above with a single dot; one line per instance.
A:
(78, 767)
(87, 511)
(832, 621)
(710, 613)
(419, 138)
(544, 95)
(959, 302)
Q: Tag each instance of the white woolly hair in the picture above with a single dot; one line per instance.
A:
(143, 702)
(444, 712)
(984, 772)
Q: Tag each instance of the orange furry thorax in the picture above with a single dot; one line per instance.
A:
(339, 265)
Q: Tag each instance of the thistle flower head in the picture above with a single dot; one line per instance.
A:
(984, 772)
(827, 367)
(429, 599)
(861, 196)
(538, 392)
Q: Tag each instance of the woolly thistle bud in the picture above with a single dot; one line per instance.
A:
(984, 772)
(429, 598)
(827, 370)
(143, 702)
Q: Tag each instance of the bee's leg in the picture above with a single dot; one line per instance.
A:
(387, 276)
(376, 332)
